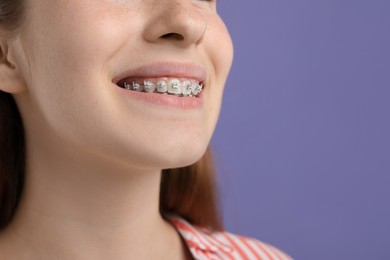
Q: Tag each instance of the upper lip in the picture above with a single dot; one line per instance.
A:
(165, 69)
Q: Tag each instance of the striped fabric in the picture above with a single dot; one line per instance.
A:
(206, 245)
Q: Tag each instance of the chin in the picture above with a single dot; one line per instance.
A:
(183, 155)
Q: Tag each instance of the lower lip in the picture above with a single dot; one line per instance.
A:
(165, 100)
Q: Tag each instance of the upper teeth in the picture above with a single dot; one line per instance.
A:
(174, 86)
(162, 86)
(137, 87)
(149, 86)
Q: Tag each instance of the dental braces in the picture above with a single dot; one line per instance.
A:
(177, 88)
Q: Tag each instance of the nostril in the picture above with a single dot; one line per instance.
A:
(175, 36)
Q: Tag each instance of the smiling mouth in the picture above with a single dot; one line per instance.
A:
(180, 87)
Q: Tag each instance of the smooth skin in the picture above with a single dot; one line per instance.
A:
(94, 156)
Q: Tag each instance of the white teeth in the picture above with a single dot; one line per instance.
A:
(149, 86)
(186, 88)
(137, 87)
(174, 86)
(162, 86)
(196, 88)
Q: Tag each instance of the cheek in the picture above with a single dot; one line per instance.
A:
(221, 48)
(68, 61)
(74, 32)
(64, 74)
(220, 53)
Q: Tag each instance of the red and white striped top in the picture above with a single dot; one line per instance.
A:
(206, 245)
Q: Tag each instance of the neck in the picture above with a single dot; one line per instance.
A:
(90, 209)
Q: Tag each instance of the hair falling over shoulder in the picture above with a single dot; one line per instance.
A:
(12, 158)
(190, 192)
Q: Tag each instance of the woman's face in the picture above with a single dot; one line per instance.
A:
(71, 53)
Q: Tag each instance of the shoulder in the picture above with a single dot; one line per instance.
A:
(206, 244)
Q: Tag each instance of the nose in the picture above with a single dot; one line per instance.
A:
(176, 21)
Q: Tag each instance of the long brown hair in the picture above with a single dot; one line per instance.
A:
(189, 191)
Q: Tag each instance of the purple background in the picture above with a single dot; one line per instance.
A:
(302, 145)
